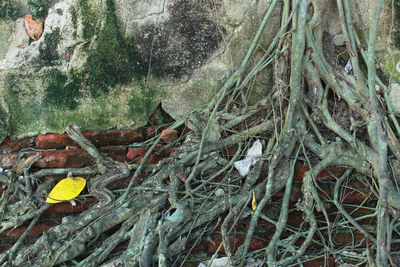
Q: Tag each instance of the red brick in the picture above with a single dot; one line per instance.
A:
(12, 144)
(295, 195)
(345, 239)
(329, 262)
(356, 192)
(64, 159)
(67, 208)
(117, 153)
(300, 171)
(114, 137)
(39, 228)
(98, 138)
(149, 132)
(168, 135)
(53, 141)
(135, 153)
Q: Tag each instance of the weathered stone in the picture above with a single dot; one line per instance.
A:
(394, 97)
(168, 135)
(97, 85)
(190, 47)
(387, 42)
(108, 64)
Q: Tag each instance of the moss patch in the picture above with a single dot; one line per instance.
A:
(114, 59)
(48, 52)
(61, 92)
(39, 8)
(8, 9)
(144, 101)
(396, 29)
(24, 102)
(107, 90)
(89, 18)
(391, 65)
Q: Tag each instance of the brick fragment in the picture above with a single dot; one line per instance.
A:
(300, 171)
(11, 144)
(53, 141)
(168, 135)
(77, 158)
(114, 137)
(39, 228)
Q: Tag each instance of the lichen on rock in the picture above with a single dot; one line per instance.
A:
(93, 88)
(108, 63)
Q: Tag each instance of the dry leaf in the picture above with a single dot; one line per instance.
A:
(254, 202)
(66, 189)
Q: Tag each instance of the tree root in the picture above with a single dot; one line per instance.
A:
(183, 199)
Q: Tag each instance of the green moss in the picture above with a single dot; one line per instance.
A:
(8, 9)
(89, 18)
(390, 65)
(60, 91)
(396, 29)
(114, 59)
(38, 8)
(74, 20)
(144, 101)
(108, 90)
(24, 104)
(48, 52)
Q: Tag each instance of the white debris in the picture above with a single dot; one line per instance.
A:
(348, 67)
(73, 202)
(219, 192)
(220, 262)
(224, 262)
(253, 155)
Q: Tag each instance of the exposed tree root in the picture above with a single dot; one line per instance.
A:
(158, 219)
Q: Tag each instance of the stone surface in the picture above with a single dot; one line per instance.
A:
(97, 85)
(108, 64)
(394, 97)
(190, 47)
(168, 135)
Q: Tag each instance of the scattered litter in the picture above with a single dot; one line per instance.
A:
(166, 217)
(253, 155)
(220, 262)
(251, 262)
(177, 216)
(219, 192)
(224, 262)
(348, 67)
(73, 202)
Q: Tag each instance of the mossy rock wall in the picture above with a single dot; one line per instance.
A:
(81, 70)
(109, 63)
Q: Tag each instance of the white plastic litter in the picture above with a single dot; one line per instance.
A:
(220, 262)
(348, 67)
(253, 155)
(224, 262)
(219, 192)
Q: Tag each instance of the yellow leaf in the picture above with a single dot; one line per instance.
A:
(66, 189)
(254, 202)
